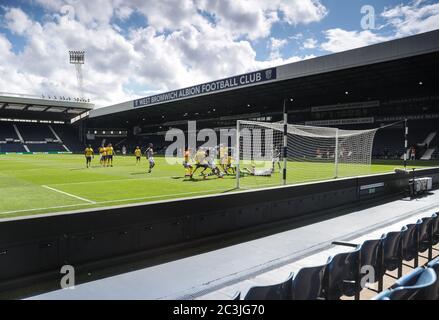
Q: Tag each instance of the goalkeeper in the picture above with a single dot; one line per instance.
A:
(267, 172)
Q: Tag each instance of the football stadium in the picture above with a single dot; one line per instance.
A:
(312, 180)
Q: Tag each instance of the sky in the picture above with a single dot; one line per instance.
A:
(135, 48)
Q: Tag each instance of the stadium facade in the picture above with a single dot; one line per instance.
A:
(364, 87)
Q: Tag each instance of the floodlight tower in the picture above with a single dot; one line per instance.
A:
(78, 58)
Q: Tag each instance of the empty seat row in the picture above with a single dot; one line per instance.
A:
(35, 131)
(420, 284)
(46, 147)
(342, 274)
(7, 131)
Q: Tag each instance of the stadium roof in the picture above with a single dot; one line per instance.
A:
(389, 69)
(20, 106)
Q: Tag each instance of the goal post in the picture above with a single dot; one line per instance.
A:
(312, 153)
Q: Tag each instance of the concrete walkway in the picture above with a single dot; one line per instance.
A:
(220, 273)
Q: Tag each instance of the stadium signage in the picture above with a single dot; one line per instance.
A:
(210, 87)
(337, 122)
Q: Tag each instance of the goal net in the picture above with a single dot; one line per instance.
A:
(313, 153)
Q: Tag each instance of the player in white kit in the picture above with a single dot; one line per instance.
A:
(149, 155)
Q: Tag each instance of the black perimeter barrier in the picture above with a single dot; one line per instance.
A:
(33, 249)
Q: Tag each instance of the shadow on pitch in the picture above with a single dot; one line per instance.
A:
(91, 167)
(138, 173)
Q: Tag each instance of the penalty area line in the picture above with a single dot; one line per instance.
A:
(69, 194)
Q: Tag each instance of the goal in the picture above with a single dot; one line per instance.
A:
(312, 153)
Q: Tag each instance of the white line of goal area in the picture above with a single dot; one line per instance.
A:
(115, 201)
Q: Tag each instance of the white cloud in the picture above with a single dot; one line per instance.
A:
(17, 21)
(275, 45)
(185, 42)
(296, 36)
(255, 18)
(416, 17)
(302, 11)
(413, 18)
(310, 43)
(341, 40)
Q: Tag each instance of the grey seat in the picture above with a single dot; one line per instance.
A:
(392, 251)
(308, 283)
(280, 291)
(342, 275)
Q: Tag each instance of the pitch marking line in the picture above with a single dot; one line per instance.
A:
(69, 194)
(113, 201)
(47, 208)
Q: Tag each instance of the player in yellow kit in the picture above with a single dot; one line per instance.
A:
(88, 155)
(110, 154)
(138, 154)
(103, 154)
(229, 166)
(223, 157)
(187, 166)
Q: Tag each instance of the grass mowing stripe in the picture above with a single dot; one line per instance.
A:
(164, 196)
(120, 180)
(47, 208)
(116, 201)
(127, 183)
(107, 181)
(69, 194)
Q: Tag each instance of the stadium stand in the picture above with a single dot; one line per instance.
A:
(389, 144)
(39, 137)
(434, 144)
(12, 147)
(7, 132)
(340, 276)
(9, 141)
(69, 137)
(46, 147)
(35, 131)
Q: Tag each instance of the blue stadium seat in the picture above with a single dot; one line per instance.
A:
(308, 283)
(434, 263)
(392, 251)
(435, 228)
(414, 286)
(408, 279)
(281, 291)
(384, 295)
(342, 276)
(426, 236)
(410, 243)
(433, 292)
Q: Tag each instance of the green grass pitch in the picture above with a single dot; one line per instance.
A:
(42, 183)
